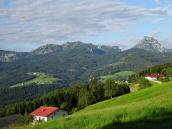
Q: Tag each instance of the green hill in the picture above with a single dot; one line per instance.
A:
(40, 79)
(149, 108)
(117, 76)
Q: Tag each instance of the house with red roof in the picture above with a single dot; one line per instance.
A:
(44, 113)
(154, 76)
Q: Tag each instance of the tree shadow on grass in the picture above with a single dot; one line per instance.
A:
(161, 121)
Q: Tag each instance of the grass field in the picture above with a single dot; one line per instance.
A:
(117, 76)
(150, 108)
(41, 78)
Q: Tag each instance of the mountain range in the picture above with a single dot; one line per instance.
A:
(75, 62)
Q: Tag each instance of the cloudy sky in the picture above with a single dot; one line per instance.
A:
(28, 24)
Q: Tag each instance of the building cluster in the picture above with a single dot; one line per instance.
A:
(154, 76)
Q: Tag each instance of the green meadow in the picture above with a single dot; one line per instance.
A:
(117, 76)
(150, 108)
(40, 78)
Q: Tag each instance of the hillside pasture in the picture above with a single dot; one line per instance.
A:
(123, 75)
(40, 79)
(150, 108)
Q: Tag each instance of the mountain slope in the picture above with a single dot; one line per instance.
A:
(146, 109)
(134, 60)
(49, 48)
(76, 62)
(68, 65)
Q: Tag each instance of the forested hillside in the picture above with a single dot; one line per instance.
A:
(71, 98)
(71, 63)
(76, 62)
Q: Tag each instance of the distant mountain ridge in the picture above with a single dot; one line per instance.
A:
(147, 43)
(76, 61)
(9, 56)
(49, 48)
(6, 56)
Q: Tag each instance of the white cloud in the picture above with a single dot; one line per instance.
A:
(154, 33)
(60, 20)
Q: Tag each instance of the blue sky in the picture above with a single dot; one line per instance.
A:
(26, 25)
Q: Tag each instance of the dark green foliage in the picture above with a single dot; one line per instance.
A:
(19, 94)
(70, 99)
(110, 88)
(144, 82)
(114, 89)
(25, 119)
(133, 78)
(165, 79)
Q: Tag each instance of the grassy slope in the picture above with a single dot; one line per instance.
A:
(118, 75)
(41, 78)
(150, 108)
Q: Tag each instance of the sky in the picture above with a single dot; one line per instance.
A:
(27, 24)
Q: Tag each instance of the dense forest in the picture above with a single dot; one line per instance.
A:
(20, 94)
(70, 98)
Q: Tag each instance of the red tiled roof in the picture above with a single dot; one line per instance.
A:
(44, 111)
(154, 75)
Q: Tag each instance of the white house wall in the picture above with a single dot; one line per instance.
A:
(40, 118)
(149, 78)
(56, 114)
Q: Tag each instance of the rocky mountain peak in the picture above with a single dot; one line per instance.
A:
(150, 44)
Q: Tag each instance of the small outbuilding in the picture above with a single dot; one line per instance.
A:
(154, 76)
(44, 113)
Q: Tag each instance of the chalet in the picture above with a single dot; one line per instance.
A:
(46, 113)
(154, 76)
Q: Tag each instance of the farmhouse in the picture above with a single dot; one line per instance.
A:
(154, 76)
(46, 113)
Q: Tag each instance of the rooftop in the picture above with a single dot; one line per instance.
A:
(44, 111)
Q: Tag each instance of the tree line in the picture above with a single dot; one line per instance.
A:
(25, 93)
(71, 98)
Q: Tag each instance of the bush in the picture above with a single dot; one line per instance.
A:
(25, 119)
(144, 82)
(166, 79)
